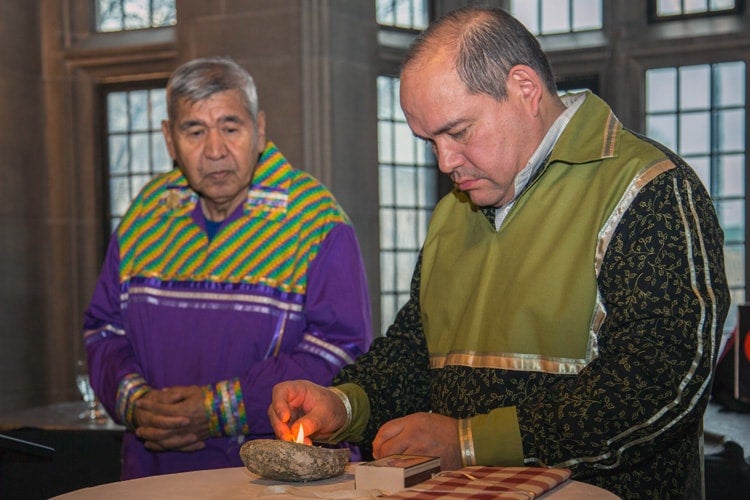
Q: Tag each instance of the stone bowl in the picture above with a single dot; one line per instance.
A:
(290, 461)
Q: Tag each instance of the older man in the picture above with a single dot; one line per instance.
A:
(227, 275)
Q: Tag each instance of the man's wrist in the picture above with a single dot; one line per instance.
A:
(132, 387)
(466, 442)
(359, 406)
(347, 407)
(225, 408)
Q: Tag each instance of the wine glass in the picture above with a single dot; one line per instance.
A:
(94, 411)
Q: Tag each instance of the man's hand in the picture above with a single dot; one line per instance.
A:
(173, 418)
(420, 434)
(300, 402)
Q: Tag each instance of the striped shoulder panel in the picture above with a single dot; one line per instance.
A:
(286, 218)
(141, 232)
(276, 246)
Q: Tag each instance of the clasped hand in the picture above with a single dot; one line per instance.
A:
(173, 418)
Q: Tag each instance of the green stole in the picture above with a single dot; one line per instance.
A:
(525, 297)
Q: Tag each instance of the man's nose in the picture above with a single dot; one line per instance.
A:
(215, 147)
(448, 159)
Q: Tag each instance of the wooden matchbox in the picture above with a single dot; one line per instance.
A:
(395, 472)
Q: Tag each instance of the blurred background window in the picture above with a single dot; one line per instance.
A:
(699, 111)
(663, 10)
(135, 146)
(548, 17)
(121, 15)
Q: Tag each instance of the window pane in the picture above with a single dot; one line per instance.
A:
(387, 228)
(692, 6)
(421, 14)
(424, 152)
(119, 154)
(406, 236)
(587, 15)
(702, 167)
(140, 154)
(427, 186)
(385, 142)
(732, 219)
(385, 185)
(139, 110)
(663, 128)
(695, 85)
(731, 130)
(117, 112)
(528, 13)
(160, 160)
(731, 175)
(385, 98)
(403, 13)
(405, 144)
(119, 195)
(695, 133)
(109, 15)
(730, 84)
(722, 4)
(388, 309)
(384, 12)
(661, 90)
(555, 16)
(734, 264)
(406, 186)
(405, 262)
(136, 14)
(157, 101)
(410, 14)
(164, 13)
(668, 7)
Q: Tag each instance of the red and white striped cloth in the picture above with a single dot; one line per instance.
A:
(479, 482)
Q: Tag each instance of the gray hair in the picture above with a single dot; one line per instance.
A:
(201, 78)
(489, 42)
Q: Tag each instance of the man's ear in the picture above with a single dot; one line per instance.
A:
(260, 124)
(526, 84)
(166, 130)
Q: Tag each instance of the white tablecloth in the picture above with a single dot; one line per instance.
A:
(240, 483)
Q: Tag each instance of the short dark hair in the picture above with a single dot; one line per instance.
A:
(489, 42)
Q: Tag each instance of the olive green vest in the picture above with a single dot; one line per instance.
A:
(525, 297)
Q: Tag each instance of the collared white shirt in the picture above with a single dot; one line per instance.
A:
(572, 102)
